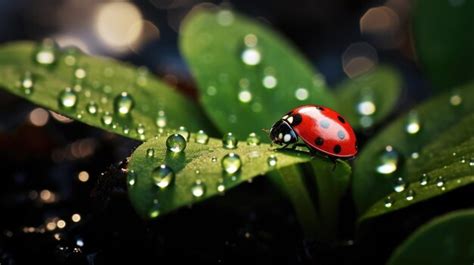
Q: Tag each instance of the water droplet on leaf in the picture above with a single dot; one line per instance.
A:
(424, 179)
(413, 123)
(272, 161)
(399, 184)
(253, 139)
(45, 53)
(27, 83)
(198, 189)
(161, 119)
(201, 137)
(123, 103)
(67, 98)
(176, 143)
(231, 163)
(410, 195)
(229, 141)
(163, 176)
(92, 107)
(388, 202)
(107, 119)
(131, 178)
(150, 153)
(388, 161)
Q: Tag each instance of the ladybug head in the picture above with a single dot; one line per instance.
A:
(281, 133)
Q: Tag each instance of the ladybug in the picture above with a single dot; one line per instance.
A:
(321, 129)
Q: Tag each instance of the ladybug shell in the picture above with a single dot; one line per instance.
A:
(323, 129)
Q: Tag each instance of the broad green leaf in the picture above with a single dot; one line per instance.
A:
(444, 37)
(444, 240)
(369, 98)
(96, 82)
(445, 175)
(374, 177)
(198, 162)
(248, 75)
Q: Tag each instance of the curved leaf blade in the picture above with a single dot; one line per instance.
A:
(381, 87)
(247, 74)
(444, 240)
(105, 79)
(434, 116)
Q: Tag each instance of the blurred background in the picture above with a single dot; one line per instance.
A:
(55, 209)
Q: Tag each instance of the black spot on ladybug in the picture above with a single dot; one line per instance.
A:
(324, 124)
(319, 141)
(320, 108)
(297, 119)
(341, 134)
(337, 149)
(341, 119)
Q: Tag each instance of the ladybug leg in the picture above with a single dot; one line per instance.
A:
(297, 145)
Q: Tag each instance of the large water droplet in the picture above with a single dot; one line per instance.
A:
(150, 153)
(424, 179)
(272, 161)
(269, 81)
(176, 143)
(161, 119)
(229, 141)
(184, 132)
(388, 161)
(123, 103)
(399, 184)
(253, 139)
(301, 94)
(201, 137)
(45, 53)
(107, 119)
(388, 202)
(131, 178)
(27, 83)
(231, 163)
(67, 98)
(163, 176)
(198, 189)
(92, 107)
(154, 209)
(410, 195)
(413, 123)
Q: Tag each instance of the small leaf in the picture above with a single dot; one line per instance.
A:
(444, 240)
(248, 75)
(198, 164)
(442, 43)
(369, 98)
(381, 162)
(94, 84)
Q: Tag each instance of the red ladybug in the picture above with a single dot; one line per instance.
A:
(321, 129)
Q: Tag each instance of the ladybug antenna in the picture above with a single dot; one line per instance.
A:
(266, 130)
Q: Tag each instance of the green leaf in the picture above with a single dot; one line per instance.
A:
(104, 80)
(442, 43)
(444, 240)
(197, 162)
(433, 116)
(248, 75)
(369, 98)
(446, 174)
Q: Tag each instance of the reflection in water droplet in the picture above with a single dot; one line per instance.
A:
(67, 98)
(184, 132)
(388, 161)
(388, 202)
(123, 103)
(155, 209)
(150, 153)
(424, 179)
(301, 94)
(45, 53)
(272, 161)
(253, 139)
(269, 81)
(140, 129)
(229, 141)
(413, 123)
(161, 119)
(455, 100)
(107, 119)
(92, 107)
(231, 163)
(176, 143)
(245, 96)
(27, 83)
(131, 178)
(410, 195)
(201, 137)
(163, 176)
(399, 184)
(198, 189)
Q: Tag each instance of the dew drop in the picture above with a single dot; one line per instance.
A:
(92, 107)
(70, 56)
(140, 129)
(253, 139)
(229, 141)
(67, 98)
(399, 185)
(107, 119)
(269, 81)
(366, 107)
(245, 96)
(80, 73)
(231, 163)
(388, 161)
(301, 94)
(455, 100)
(424, 179)
(131, 178)
(184, 132)
(471, 162)
(176, 143)
(410, 195)
(161, 119)
(45, 53)
(27, 83)
(123, 104)
(154, 209)
(213, 159)
(388, 202)
(413, 123)
(198, 189)
(440, 181)
(220, 187)
(251, 55)
(272, 161)
(163, 176)
(150, 153)
(201, 137)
